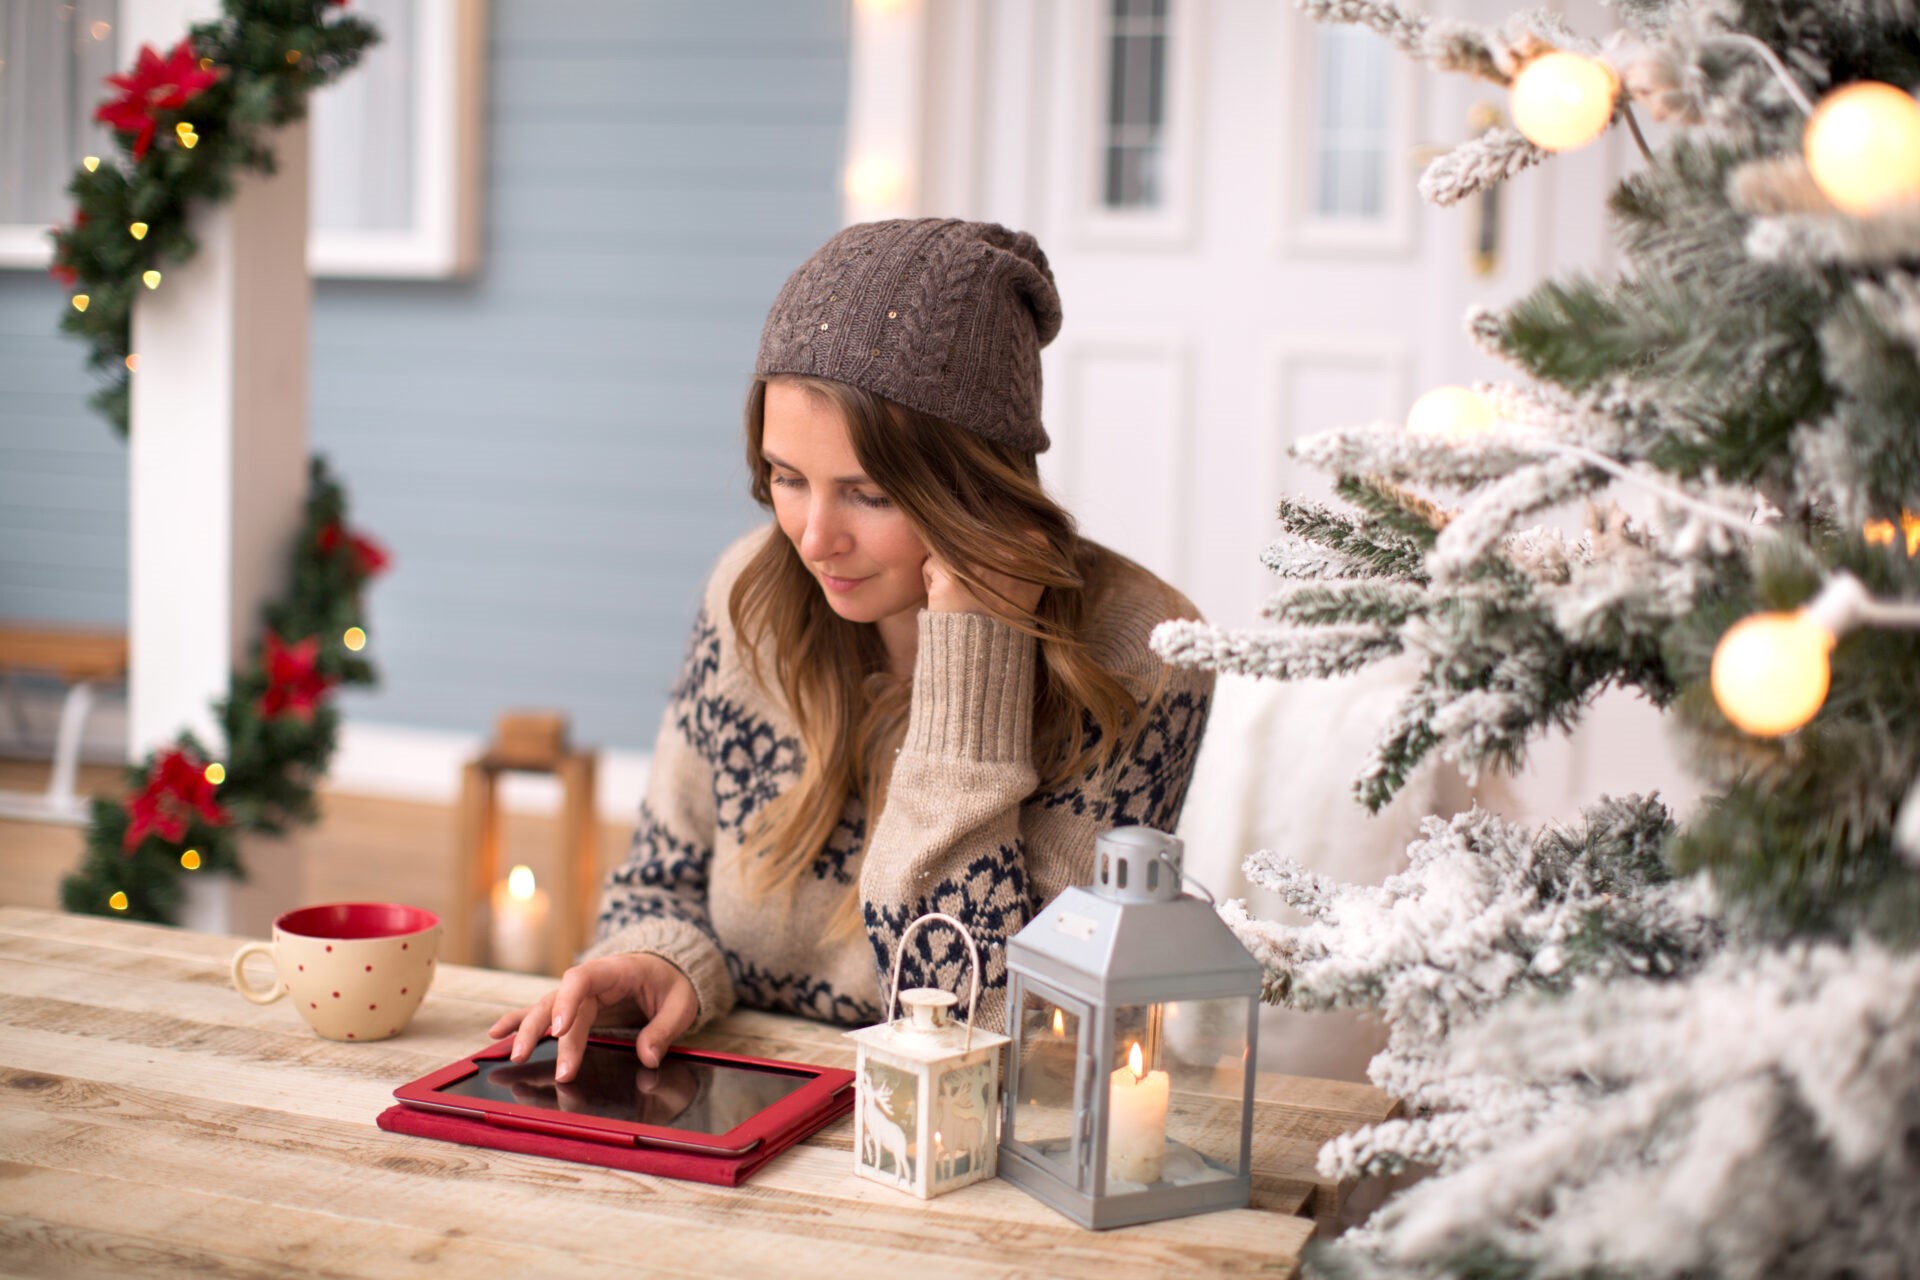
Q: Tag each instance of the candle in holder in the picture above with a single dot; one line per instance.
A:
(519, 926)
(1137, 1121)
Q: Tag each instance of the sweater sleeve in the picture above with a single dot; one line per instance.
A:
(655, 902)
(965, 831)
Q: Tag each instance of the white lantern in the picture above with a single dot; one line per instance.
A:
(927, 1117)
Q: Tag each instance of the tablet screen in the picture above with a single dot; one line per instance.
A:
(682, 1093)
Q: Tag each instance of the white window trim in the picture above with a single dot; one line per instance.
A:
(444, 240)
(1303, 231)
(1094, 224)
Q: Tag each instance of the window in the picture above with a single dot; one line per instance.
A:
(1133, 173)
(395, 143)
(1350, 133)
(52, 58)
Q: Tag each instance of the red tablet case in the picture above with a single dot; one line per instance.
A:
(721, 1170)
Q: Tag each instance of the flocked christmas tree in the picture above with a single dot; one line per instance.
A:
(1627, 1045)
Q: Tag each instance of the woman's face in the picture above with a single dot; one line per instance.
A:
(859, 546)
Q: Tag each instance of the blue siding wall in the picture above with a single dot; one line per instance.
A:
(551, 450)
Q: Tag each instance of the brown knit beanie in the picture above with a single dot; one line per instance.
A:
(940, 315)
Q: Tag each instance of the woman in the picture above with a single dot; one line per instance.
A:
(920, 690)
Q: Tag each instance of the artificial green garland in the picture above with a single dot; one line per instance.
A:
(185, 123)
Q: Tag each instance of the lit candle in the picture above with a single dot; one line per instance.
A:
(519, 933)
(1136, 1121)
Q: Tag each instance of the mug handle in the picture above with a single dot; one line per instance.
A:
(253, 993)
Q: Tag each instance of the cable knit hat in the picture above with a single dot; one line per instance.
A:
(940, 315)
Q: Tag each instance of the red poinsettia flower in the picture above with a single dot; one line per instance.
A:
(369, 557)
(177, 789)
(154, 85)
(65, 274)
(294, 683)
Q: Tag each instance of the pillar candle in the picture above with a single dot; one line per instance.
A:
(519, 926)
(1136, 1121)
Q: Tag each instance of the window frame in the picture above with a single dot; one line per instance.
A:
(1304, 229)
(442, 240)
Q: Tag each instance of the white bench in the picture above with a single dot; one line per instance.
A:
(79, 659)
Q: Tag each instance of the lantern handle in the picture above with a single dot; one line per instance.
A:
(973, 954)
(1187, 879)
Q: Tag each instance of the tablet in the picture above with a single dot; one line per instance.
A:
(697, 1101)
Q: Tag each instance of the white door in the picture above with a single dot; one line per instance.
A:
(1226, 192)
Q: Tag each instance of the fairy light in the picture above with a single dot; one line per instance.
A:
(133, 362)
(1451, 414)
(80, 301)
(355, 639)
(190, 859)
(216, 773)
(91, 163)
(184, 132)
(1563, 100)
(118, 901)
(875, 180)
(151, 279)
(293, 57)
(1770, 672)
(138, 231)
(1863, 146)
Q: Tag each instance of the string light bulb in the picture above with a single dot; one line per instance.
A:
(80, 301)
(1563, 100)
(91, 162)
(875, 181)
(133, 362)
(190, 859)
(355, 639)
(1770, 672)
(1451, 414)
(118, 901)
(151, 279)
(184, 132)
(138, 230)
(216, 773)
(1863, 146)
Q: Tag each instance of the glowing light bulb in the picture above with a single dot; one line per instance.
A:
(1451, 414)
(520, 883)
(138, 231)
(355, 639)
(80, 301)
(1563, 100)
(216, 773)
(1770, 672)
(133, 362)
(118, 901)
(91, 162)
(1878, 533)
(1863, 146)
(184, 132)
(206, 64)
(190, 859)
(151, 279)
(293, 57)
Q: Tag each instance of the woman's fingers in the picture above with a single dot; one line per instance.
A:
(676, 1012)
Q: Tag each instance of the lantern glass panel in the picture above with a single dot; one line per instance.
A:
(1042, 1080)
(1176, 1078)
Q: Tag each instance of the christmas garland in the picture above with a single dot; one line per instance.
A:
(186, 123)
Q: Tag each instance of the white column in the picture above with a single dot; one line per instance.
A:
(218, 455)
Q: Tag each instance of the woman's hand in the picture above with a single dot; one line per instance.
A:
(617, 986)
(947, 594)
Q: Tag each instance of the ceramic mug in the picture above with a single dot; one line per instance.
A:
(355, 970)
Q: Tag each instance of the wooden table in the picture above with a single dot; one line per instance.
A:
(153, 1123)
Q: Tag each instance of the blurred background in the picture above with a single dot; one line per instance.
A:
(546, 233)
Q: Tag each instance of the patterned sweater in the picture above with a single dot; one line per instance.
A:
(965, 830)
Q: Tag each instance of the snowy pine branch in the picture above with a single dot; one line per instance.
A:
(1303, 654)
(1478, 164)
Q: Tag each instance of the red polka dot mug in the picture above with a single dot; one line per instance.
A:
(355, 970)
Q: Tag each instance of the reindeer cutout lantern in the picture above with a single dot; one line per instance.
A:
(929, 1110)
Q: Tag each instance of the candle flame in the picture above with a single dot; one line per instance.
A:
(1059, 1023)
(1136, 1064)
(520, 883)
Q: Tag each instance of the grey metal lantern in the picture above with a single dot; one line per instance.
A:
(1133, 1012)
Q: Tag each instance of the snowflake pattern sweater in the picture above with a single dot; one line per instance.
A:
(966, 829)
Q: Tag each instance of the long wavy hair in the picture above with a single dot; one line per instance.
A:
(974, 503)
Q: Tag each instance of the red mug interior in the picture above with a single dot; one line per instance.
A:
(350, 920)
